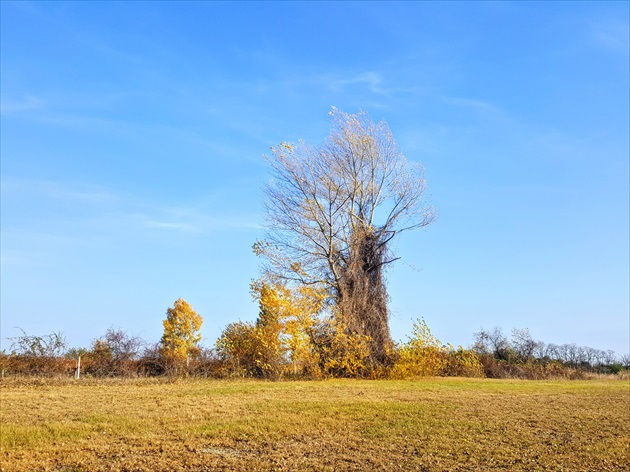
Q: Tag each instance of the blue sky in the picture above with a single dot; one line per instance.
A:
(132, 136)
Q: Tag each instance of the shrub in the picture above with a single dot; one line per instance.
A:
(462, 363)
(342, 353)
(422, 356)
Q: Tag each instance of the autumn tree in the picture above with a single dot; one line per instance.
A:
(279, 342)
(238, 344)
(295, 312)
(333, 211)
(181, 332)
(294, 334)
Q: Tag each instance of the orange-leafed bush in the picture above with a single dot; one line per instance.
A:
(37, 366)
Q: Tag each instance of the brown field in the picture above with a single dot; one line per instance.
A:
(426, 425)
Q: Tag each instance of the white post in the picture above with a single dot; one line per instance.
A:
(78, 372)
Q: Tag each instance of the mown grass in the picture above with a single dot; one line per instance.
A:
(429, 424)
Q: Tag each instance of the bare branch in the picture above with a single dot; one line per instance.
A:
(332, 211)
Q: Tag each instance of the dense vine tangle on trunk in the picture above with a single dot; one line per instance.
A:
(362, 296)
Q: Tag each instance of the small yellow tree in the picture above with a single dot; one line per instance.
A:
(294, 312)
(279, 342)
(181, 331)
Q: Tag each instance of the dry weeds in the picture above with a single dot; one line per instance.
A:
(426, 425)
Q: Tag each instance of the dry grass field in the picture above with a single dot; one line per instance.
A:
(426, 425)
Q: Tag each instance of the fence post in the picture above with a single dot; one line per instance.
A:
(78, 372)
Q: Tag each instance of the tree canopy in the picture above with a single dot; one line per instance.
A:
(181, 331)
(332, 211)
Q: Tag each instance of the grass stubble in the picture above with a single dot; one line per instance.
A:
(426, 425)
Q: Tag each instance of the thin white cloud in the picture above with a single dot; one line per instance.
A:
(197, 218)
(482, 111)
(70, 207)
(234, 223)
(191, 220)
(167, 225)
(339, 83)
(613, 36)
(14, 187)
(64, 119)
(72, 109)
(476, 104)
(18, 107)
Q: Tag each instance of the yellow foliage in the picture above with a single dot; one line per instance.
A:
(422, 337)
(425, 356)
(287, 317)
(345, 353)
(290, 337)
(463, 363)
(422, 356)
(238, 344)
(278, 342)
(181, 331)
(417, 362)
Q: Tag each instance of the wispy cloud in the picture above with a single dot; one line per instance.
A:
(472, 103)
(198, 219)
(46, 223)
(97, 207)
(43, 111)
(339, 83)
(27, 104)
(167, 225)
(48, 189)
(612, 35)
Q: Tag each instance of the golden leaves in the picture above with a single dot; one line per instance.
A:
(425, 356)
(181, 330)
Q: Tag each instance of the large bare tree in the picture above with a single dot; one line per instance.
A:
(332, 212)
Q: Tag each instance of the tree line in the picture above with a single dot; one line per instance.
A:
(498, 353)
(333, 211)
(275, 346)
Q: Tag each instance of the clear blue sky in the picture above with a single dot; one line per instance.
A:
(132, 136)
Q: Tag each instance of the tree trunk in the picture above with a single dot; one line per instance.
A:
(363, 295)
